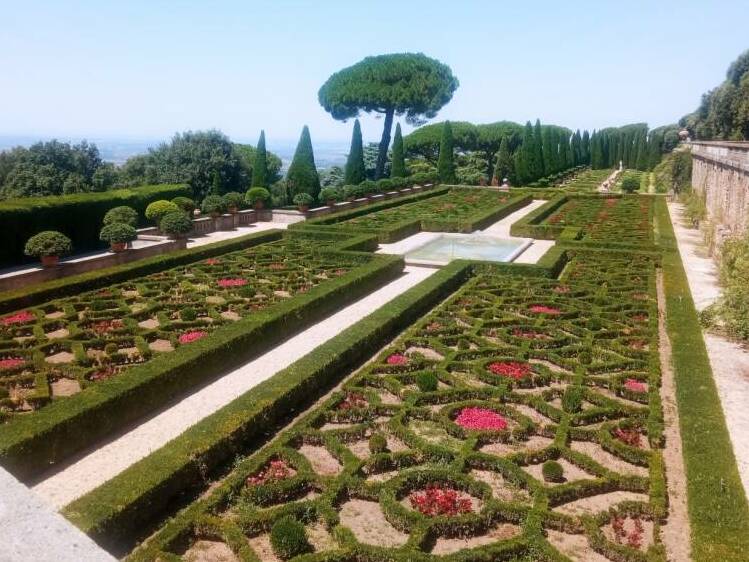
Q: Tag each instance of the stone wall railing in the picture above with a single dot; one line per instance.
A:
(720, 173)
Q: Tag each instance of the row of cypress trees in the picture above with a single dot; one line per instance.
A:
(355, 170)
(632, 145)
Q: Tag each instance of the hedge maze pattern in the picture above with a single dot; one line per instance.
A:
(58, 348)
(520, 420)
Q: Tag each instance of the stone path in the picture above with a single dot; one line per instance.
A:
(220, 235)
(106, 462)
(729, 360)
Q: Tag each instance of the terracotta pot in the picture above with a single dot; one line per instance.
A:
(118, 246)
(50, 261)
(303, 208)
(215, 215)
(233, 210)
(259, 205)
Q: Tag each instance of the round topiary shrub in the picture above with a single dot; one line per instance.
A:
(213, 205)
(552, 471)
(234, 201)
(185, 203)
(367, 187)
(48, 243)
(288, 538)
(330, 195)
(303, 200)
(176, 224)
(118, 234)
(427, 382)
(121, 215)
(630, 184)
(188, 314)
(378, 443)
(384, 185)
(257, 197)
(156, 210)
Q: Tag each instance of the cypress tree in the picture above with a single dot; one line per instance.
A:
(445, 164)
(585, 147)
(655, 148)
(548, 146)
(563, 152)
(525, 167)
(355, 171)
(642, 151)
(538, 154)
(260, 166)
(302, 175)
(398, 167)
(521, 170)
(577, 155)
(504, 168)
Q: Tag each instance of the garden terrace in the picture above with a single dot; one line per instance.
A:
(585, 182)
(438, 445)
(453, 210)
(67, 362)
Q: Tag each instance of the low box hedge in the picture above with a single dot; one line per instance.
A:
(78, 216)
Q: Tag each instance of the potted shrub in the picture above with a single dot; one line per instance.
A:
(118, 235)
(156, 210)
(185, 203)
(213, 205)
(303, 201)
(330, 195)
(257, 197)
(176, 225)
(121, 215)
(234, 201)
(48, 246)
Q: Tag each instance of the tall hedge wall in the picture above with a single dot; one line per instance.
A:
(78, 216)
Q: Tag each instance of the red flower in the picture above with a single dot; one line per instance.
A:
(18, 318)
(353, 400)
(629, 437)
(529, 334)
(635, 386)
(512, 369)
(435, 500)
(189, 337)
(276, 470)
(11, 363)
(212, 261)
(481, 419)
(397, 359)
(561, 289)
(542, 309)
(233, 282)
(105, 326)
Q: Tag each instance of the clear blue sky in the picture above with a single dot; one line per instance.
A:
(147, 69)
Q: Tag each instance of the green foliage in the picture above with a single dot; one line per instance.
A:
(674, 173)
(48, 243)
(572, 399)
(630, 183)
(303, 199)
(427, 382)
(302, 175)
(398, 168)
(213, 205)
(248, 154)
(330, 194)
(255, 194)
(188, 314)
(117, 232)
(53, 168)
(695, 208)
(409, 84)
(504, 168)
(446, 164)
(156, 210)
(288, 538)
(733, 307)
(184, 203)
(552, 471)
(234, 199)
(332, 177)
(355, 172)
(122, 214)
(377, 444)
(260, 165)
(175, 224)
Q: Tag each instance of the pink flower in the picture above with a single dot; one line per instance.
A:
(436, 500)
(481, 419)
(635, 386)
(11, 363)
(18, 318)
(189, 337)
(511, 369)
(541, 309)
(397, 359)
(276, 470)
(235, 282)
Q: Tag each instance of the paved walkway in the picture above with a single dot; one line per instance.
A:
(220, 235)
(729, 360)
(106, 462)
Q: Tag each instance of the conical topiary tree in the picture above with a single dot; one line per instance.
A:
(504, 167)
(445, 163)
(260, 166)
(355, 171)
(302, 175)
(398, 167)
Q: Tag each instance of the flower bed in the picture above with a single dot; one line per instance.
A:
(438, 500)
(481, 419)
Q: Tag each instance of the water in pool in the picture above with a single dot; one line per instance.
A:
(448, 247)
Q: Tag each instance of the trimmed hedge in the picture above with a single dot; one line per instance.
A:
(30, 443)
(113, 512)
(78, 216)
(718, 512)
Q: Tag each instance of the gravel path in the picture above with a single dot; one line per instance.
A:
(106, 462)
(729, 360)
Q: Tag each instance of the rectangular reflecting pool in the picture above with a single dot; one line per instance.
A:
(448, 247)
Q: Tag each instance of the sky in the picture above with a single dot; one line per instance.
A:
(147, 69)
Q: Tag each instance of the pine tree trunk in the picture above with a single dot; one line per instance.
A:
(382, 152)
